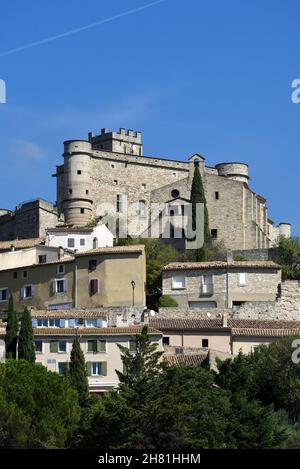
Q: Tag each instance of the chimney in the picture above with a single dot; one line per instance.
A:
(225, 320)
(60, 252)
(95, 243)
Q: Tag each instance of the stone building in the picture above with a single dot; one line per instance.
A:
(103, 277)
(221, 284)
(108, 173)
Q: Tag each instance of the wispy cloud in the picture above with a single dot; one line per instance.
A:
(27, 151)
(78, 30)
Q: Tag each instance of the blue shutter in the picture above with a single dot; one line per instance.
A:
(99, 322)
(72, 323)
(62, 322)
(34, 322)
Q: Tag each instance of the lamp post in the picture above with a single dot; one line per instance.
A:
(133, 287)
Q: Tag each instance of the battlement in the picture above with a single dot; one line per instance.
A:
(123, 141)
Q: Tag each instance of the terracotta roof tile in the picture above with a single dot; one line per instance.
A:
(222, 265)
(180, 324)
(20, 243)
(265, 332)
(181, 359)
(130, 330)
(112, 250)
(68, 313)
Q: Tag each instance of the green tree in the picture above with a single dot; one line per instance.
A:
(141, 364)
(26, 348)
(12, 327)
(38, 408)
(78, 373)
(167, 301)
(198, 196)
(289, 257)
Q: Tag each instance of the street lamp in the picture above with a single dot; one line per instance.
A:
(133, 287)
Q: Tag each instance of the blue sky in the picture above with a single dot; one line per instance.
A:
(194, 76)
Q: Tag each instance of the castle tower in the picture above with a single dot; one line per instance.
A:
(77, 203)
(235, 171)
(124, 141)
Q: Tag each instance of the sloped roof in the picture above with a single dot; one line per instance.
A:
(222, 265)
(181, 359)
(20, 243)
(130, 330)
(68, 313)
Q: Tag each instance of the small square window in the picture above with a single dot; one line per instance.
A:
(178, 281)
(79, 171)
(3, 294)
(61, 269)
(214, 234)
(70, 191)
(42, 259)
(62, 346)
(166, 340)
(24, 274)
(71, 242)
(60, 284)
(112, 165)
(62, 368)
(87, 191)
(242, 279)
(82, 210)
(38, 346)
(143, 186)
(92, 264)
(82, 241)
(28, 291)
(115, 182)
(205, 343)
(217, 195)
(15, 275)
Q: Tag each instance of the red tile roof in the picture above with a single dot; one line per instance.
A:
(69, 313)
(222, 265)
(20, 243)
(181, 359)
(130, 330)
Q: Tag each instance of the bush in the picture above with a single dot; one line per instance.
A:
(167, 301)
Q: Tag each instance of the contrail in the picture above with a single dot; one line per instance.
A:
(78, 30)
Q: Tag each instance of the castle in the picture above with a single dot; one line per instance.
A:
(109, 170)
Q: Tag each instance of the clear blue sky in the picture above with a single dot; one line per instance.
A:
(194, 76)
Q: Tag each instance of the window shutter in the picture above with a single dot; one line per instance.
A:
(72, 323)
(62, 322)
(54, 286)
(104, 368)
(65, 285)
(88, 368)
(101, 345)
(22, 293)
(34, 322)
(54, 346)
(99, 322)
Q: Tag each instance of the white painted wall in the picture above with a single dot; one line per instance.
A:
(26, 257)
(101, 233)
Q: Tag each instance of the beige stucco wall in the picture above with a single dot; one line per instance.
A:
(216, 340)
(13, 259)
(245, 344)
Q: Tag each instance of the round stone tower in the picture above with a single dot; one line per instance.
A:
(285, 229)
(77, 203)
(235, 171)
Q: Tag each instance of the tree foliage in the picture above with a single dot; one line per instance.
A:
(289, 257)
(38, 408)
(197, 197)
(77, 372)
(26, 348)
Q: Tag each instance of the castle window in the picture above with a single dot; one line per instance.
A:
(217, 195)
(42, 259)
(174, 175)
(93, 286)
(15, 275)
(115, 182)
(70, 191)
(87, 191)
(142, 208)
(82, 210)
(214, 234)
(79, 171)
(175, 193)
(143, 186)
(205, 343)
(112, 165)
(119, 204)
(24, 274)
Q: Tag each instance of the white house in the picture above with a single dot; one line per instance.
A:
(79, 238)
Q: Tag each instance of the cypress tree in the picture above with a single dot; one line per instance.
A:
(198, 196)
(26, 348)
(77, 372)
(12, 327)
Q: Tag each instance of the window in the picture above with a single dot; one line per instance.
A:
(52, 323)
(82, 210)
(174, 175)
(24, 274)
(87, 192)
(3, 294)
(254, 348)
(91, 323)
(82, 242)
(61, 269)
(132, 345)
(112, 166)
(119, 204)
(96, 346)
(237, 303)
(178, 281)
(62, 346)
(207, 285)
(142, 208)
(62, 368)
(15, 275)
(70, 191)
(97, 368)
(205, 343)
(92, 264)
(214, 234)
(38, 346)
(166, 340)
(78, 171)
(42, 259)
(216, 195)
(143, 186)
(175, 193)
(93, 286)
(59, 286)
(242, 279)
(27, 291)
(115, 182)
(53, 346)
(71, 242)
